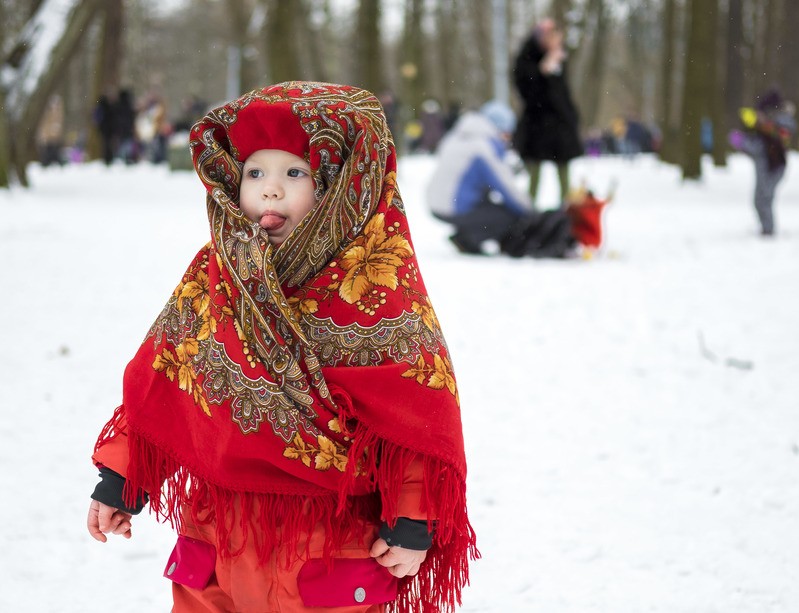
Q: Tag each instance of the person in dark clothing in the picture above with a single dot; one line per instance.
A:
(768, 131)
(104, 120)
(125, 127)
(548, 128)
(474, 189)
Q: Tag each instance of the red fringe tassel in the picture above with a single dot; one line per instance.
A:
(445, 572)
(280, 522)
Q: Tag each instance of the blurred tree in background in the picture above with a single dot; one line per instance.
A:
(676, 66)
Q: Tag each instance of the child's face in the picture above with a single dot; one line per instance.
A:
(277, 191)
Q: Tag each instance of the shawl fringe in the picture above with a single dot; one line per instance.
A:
(274, 521)
(445, 572)
(112, 429)
(281, 522)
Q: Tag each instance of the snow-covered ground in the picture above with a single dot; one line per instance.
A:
(631, 421)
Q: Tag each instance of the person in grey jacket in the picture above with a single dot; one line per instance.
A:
(474, 188)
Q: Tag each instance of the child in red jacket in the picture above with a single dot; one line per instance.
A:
(292, 410)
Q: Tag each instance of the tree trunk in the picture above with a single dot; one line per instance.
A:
(108, 62)
(772, 43)
(242, 38)
(734, 70)
(446, 51)
(485, 48)
(715, 77)
(698, 88)
(413, 68)
(789, 59)
(5, 149)
(671, 136)
(33, 81)
(368, 50)
(282, 55)
(312, 41)
(558, 10)
(595, 68)
(5, 144)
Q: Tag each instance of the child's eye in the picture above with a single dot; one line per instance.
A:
(254, 173)
(297, 172)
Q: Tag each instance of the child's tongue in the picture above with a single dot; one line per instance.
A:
(272, 221)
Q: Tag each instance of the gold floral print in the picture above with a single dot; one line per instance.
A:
(299, 450)
(197, 291)
(442, 375)
(437, 375)
(303, 306)
(179, 366)
(330, 455)
(327, 454)
(373, 259)
(426, 312)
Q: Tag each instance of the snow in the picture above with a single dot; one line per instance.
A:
(630, 420)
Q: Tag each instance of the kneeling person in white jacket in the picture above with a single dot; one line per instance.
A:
(474, 189)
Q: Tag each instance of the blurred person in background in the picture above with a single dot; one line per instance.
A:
(124, 115)
(474, 188)
(767, 132)
(548, 128)
(50, 135)
(152, 128)
(433, 125)
(105, 122)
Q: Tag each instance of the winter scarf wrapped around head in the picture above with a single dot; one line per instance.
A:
(300, 380)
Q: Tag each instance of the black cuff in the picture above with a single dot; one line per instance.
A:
(408, 534)
(109, 491)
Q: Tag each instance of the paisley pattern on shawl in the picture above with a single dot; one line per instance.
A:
(302, 379)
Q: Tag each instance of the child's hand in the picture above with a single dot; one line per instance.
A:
(399, 561)
(104, 519)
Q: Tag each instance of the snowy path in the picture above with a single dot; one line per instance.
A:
(614, 467)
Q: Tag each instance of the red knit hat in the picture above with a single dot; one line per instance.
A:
(267, 125)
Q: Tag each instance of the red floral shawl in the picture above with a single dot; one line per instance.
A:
(301, 380)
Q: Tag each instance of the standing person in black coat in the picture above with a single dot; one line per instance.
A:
(547, 130)
(125, 127)
(105, 121)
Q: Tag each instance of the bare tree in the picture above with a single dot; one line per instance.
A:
(559, 9)
(108, 62)
(446, 50)
(413, 68)
(670, 147)
(5, 151)
(281, 42)
(245, 24)
(789, 58)
(698, 88)
(734, 60)
(715, 77)
(311, 39)
(772, 42)
(30, 78)
(473, 79)
(368, 47)
(591, 83)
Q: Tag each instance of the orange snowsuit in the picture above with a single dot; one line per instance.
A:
(243, 585)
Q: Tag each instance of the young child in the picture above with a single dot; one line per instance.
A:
(293, 410)
(769, 128)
